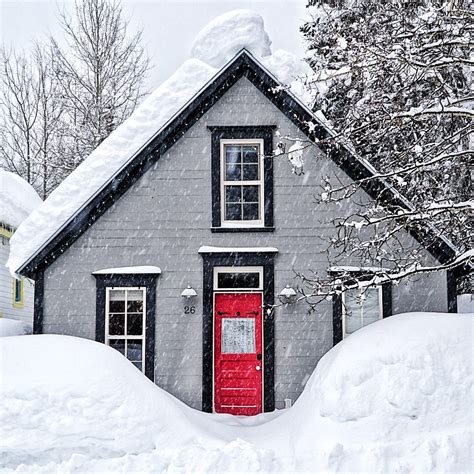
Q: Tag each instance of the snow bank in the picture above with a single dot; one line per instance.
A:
(214, 45)
(17, 199)
(12, 327)
(222, 38)
(64, 398)
(396, 396)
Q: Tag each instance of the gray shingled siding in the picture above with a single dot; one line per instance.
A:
(164, 219)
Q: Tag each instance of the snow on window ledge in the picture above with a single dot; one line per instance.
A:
(129, 270)
(209, 249)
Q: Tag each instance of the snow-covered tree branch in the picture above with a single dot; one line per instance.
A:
(393, 80)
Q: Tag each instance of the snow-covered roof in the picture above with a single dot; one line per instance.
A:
(152, 116)
(17, 199)
(140, 270)
(210, 249)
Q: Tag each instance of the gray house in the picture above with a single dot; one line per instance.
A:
(179, 261)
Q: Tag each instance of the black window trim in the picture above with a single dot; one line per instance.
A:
(148, 281)
(238, 259)
(258, 132)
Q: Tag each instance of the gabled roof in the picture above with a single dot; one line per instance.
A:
(242, 65)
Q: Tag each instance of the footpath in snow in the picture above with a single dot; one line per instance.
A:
(396, 396)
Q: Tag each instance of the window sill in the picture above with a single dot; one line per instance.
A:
(241, 229)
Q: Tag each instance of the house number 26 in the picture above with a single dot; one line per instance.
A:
(189, 309)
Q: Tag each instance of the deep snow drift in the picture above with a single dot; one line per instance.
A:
(211, 49)
(396, 396)
(215, 45)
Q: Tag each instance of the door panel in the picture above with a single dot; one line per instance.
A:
(238, 368)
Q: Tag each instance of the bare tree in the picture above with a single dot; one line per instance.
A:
(102, 71)
(30, 109)
(51, 167)
(19, 105)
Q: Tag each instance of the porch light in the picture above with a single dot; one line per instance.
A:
(288, 294)
(189, 292)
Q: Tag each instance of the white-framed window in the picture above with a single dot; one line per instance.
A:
(361, 308)
(242, 183)
(125, 322)
(238, 278)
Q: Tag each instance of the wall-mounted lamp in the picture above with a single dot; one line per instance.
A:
(188, 292)
(288, 295)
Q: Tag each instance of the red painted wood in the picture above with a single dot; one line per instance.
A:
(237, 381)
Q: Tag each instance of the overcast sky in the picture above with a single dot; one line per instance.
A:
(169, 26)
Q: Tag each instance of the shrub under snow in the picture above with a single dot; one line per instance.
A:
(396, 396)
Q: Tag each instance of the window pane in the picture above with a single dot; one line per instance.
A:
(118, 344)
(233, 193)
(17, 291)
(232, 154)
(233, 212)
(117, 295)
(116, 324)
(233, 172)
(250, 193)
(250, 212)
(117, 306)
(134, 306)
(353, 322)
(250, 172)
(134, 350)
(135, 324)
(250, 154)
(370, 306)
(238, 335)
(353, 311)
(361, 309)
(238, 280)
(134, 295)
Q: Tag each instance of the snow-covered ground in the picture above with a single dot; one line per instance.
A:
(12, 327)
(396, 396)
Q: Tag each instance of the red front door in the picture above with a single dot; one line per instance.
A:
(238, 362)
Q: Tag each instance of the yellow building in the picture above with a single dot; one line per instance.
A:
(17, 200)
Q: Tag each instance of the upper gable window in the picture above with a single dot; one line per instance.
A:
(242, 178)
(242, 186)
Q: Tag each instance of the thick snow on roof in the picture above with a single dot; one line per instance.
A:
(17, 199)
(117, 150)
(219, 41)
